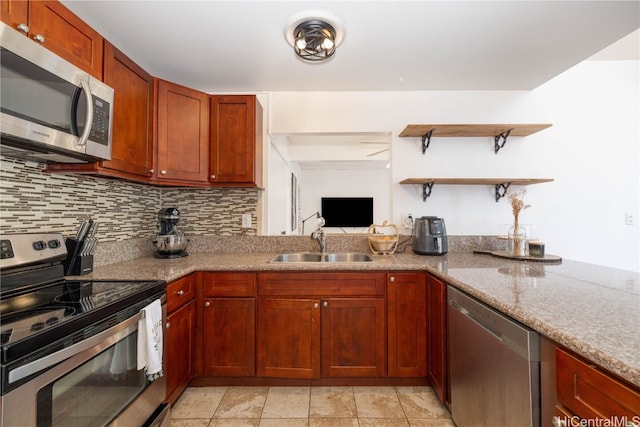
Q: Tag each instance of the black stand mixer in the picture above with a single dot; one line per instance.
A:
(170, 241)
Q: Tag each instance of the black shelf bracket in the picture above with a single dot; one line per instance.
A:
(501, 190)
(503, 136)
(426, 140)
(426, 190)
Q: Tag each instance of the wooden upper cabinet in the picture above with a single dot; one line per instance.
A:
(132, 122)
(236, 141)
(15, 14)
(182, 132)
(132, 114)
(66, 35)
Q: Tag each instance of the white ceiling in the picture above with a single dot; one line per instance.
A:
(239, 46)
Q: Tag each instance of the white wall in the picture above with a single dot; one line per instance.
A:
(279, 188)
(345, 183)
(592, 152)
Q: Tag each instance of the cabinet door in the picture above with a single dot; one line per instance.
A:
(179, 344)
(591, 393)
(236, 140)
(288, 338)
(15, 13)
(63, 33)
(132, 114)
(407, 324)
(437, 336)
(353, 337)
(229, 337)
(182, 134)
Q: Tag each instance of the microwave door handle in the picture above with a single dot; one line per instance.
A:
(89, 120)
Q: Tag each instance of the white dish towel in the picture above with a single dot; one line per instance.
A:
(150, 340)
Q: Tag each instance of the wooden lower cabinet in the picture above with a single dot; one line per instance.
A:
(229, 337)
(228, 324)
(353, 337)
(586, 392)
(288, 337)
(406, 325)
(329, 337)
(180, 346)
(313, 325)
(180, 335)
(437, 336)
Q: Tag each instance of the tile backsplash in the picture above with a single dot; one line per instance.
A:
(33, 201)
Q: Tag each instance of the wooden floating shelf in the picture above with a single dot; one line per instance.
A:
(472, 130)
(501, 184)
(497, 131)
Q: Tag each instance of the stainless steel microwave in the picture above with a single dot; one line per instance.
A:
(51, 110)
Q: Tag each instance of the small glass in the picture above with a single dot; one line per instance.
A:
(518, 245)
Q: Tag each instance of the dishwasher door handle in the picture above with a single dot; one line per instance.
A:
(466, 313)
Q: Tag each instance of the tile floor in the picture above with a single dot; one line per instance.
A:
(309, 407)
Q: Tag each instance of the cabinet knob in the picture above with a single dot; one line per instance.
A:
(163, 172)
(180, 292)
(23, 27)
(325, 304)
(152, 170)
(392, 279)
(167, 325)
(558, 422)
(315, 305)
(39, 38)
(213, 177)
(207, 304)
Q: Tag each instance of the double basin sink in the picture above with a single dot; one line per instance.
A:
(321, 257)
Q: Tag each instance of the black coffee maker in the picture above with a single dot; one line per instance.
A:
(170, 241)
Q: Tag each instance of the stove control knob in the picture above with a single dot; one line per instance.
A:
(54, 244)
(39, 245)
(6, 249)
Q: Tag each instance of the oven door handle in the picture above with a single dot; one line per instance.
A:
(103, 339)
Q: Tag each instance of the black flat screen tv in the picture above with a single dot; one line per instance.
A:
(347, 211)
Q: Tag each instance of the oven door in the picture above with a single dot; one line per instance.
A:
(97, 386)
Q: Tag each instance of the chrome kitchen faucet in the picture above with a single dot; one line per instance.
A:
(320, 237)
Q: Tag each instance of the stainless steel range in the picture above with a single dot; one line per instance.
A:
(69, 347)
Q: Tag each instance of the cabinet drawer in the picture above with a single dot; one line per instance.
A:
(321, 284)
(180, 292)
(229, 284)
(589, 393)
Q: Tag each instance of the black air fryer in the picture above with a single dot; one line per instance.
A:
(430, 236)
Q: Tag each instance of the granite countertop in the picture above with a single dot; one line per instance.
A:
(590, 309)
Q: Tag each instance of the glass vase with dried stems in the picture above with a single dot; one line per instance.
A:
(517, 234)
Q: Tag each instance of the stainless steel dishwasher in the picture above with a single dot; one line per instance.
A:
(494, 365)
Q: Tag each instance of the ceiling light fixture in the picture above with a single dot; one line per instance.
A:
(315, 40)
(314, 36)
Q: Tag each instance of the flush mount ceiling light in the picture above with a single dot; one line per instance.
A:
(314, 36)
